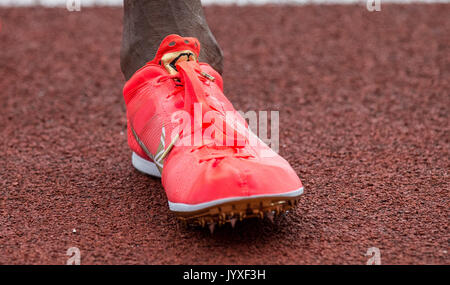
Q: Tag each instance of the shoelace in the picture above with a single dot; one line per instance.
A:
(192, 79)
(176, 79)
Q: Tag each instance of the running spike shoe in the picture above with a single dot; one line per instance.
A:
(182, 128)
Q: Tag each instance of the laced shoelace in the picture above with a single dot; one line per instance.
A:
(200, 96)
(176, 79)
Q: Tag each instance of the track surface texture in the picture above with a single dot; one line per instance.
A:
(364, 120)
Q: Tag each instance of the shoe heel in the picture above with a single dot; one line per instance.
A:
(144, 165)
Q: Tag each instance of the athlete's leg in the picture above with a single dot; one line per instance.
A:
(147, 22)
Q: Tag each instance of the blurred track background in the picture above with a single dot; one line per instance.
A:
(364, 120)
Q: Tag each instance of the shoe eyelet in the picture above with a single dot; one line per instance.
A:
(171, 44)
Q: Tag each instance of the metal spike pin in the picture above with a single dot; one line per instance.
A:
(261, 215)
(211, 227)
(233, 222)
(270, 215)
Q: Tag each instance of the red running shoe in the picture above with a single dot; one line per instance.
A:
(182, 128)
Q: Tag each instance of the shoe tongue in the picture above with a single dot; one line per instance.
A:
(174, 49)
(170, 59)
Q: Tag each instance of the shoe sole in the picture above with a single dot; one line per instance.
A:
(144, 165)
(228, 210)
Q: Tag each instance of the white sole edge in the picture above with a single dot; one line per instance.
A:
(180, 207)
(150, 168)
(144, 165)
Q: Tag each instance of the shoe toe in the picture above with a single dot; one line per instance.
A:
(229, 177)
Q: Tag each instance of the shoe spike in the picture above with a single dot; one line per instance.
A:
(261, 214)
(270, 215)
(211, 227)
(278, 209)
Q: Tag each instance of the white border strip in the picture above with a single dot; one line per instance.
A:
(304, 2)
(118, 3)
(180, 207)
